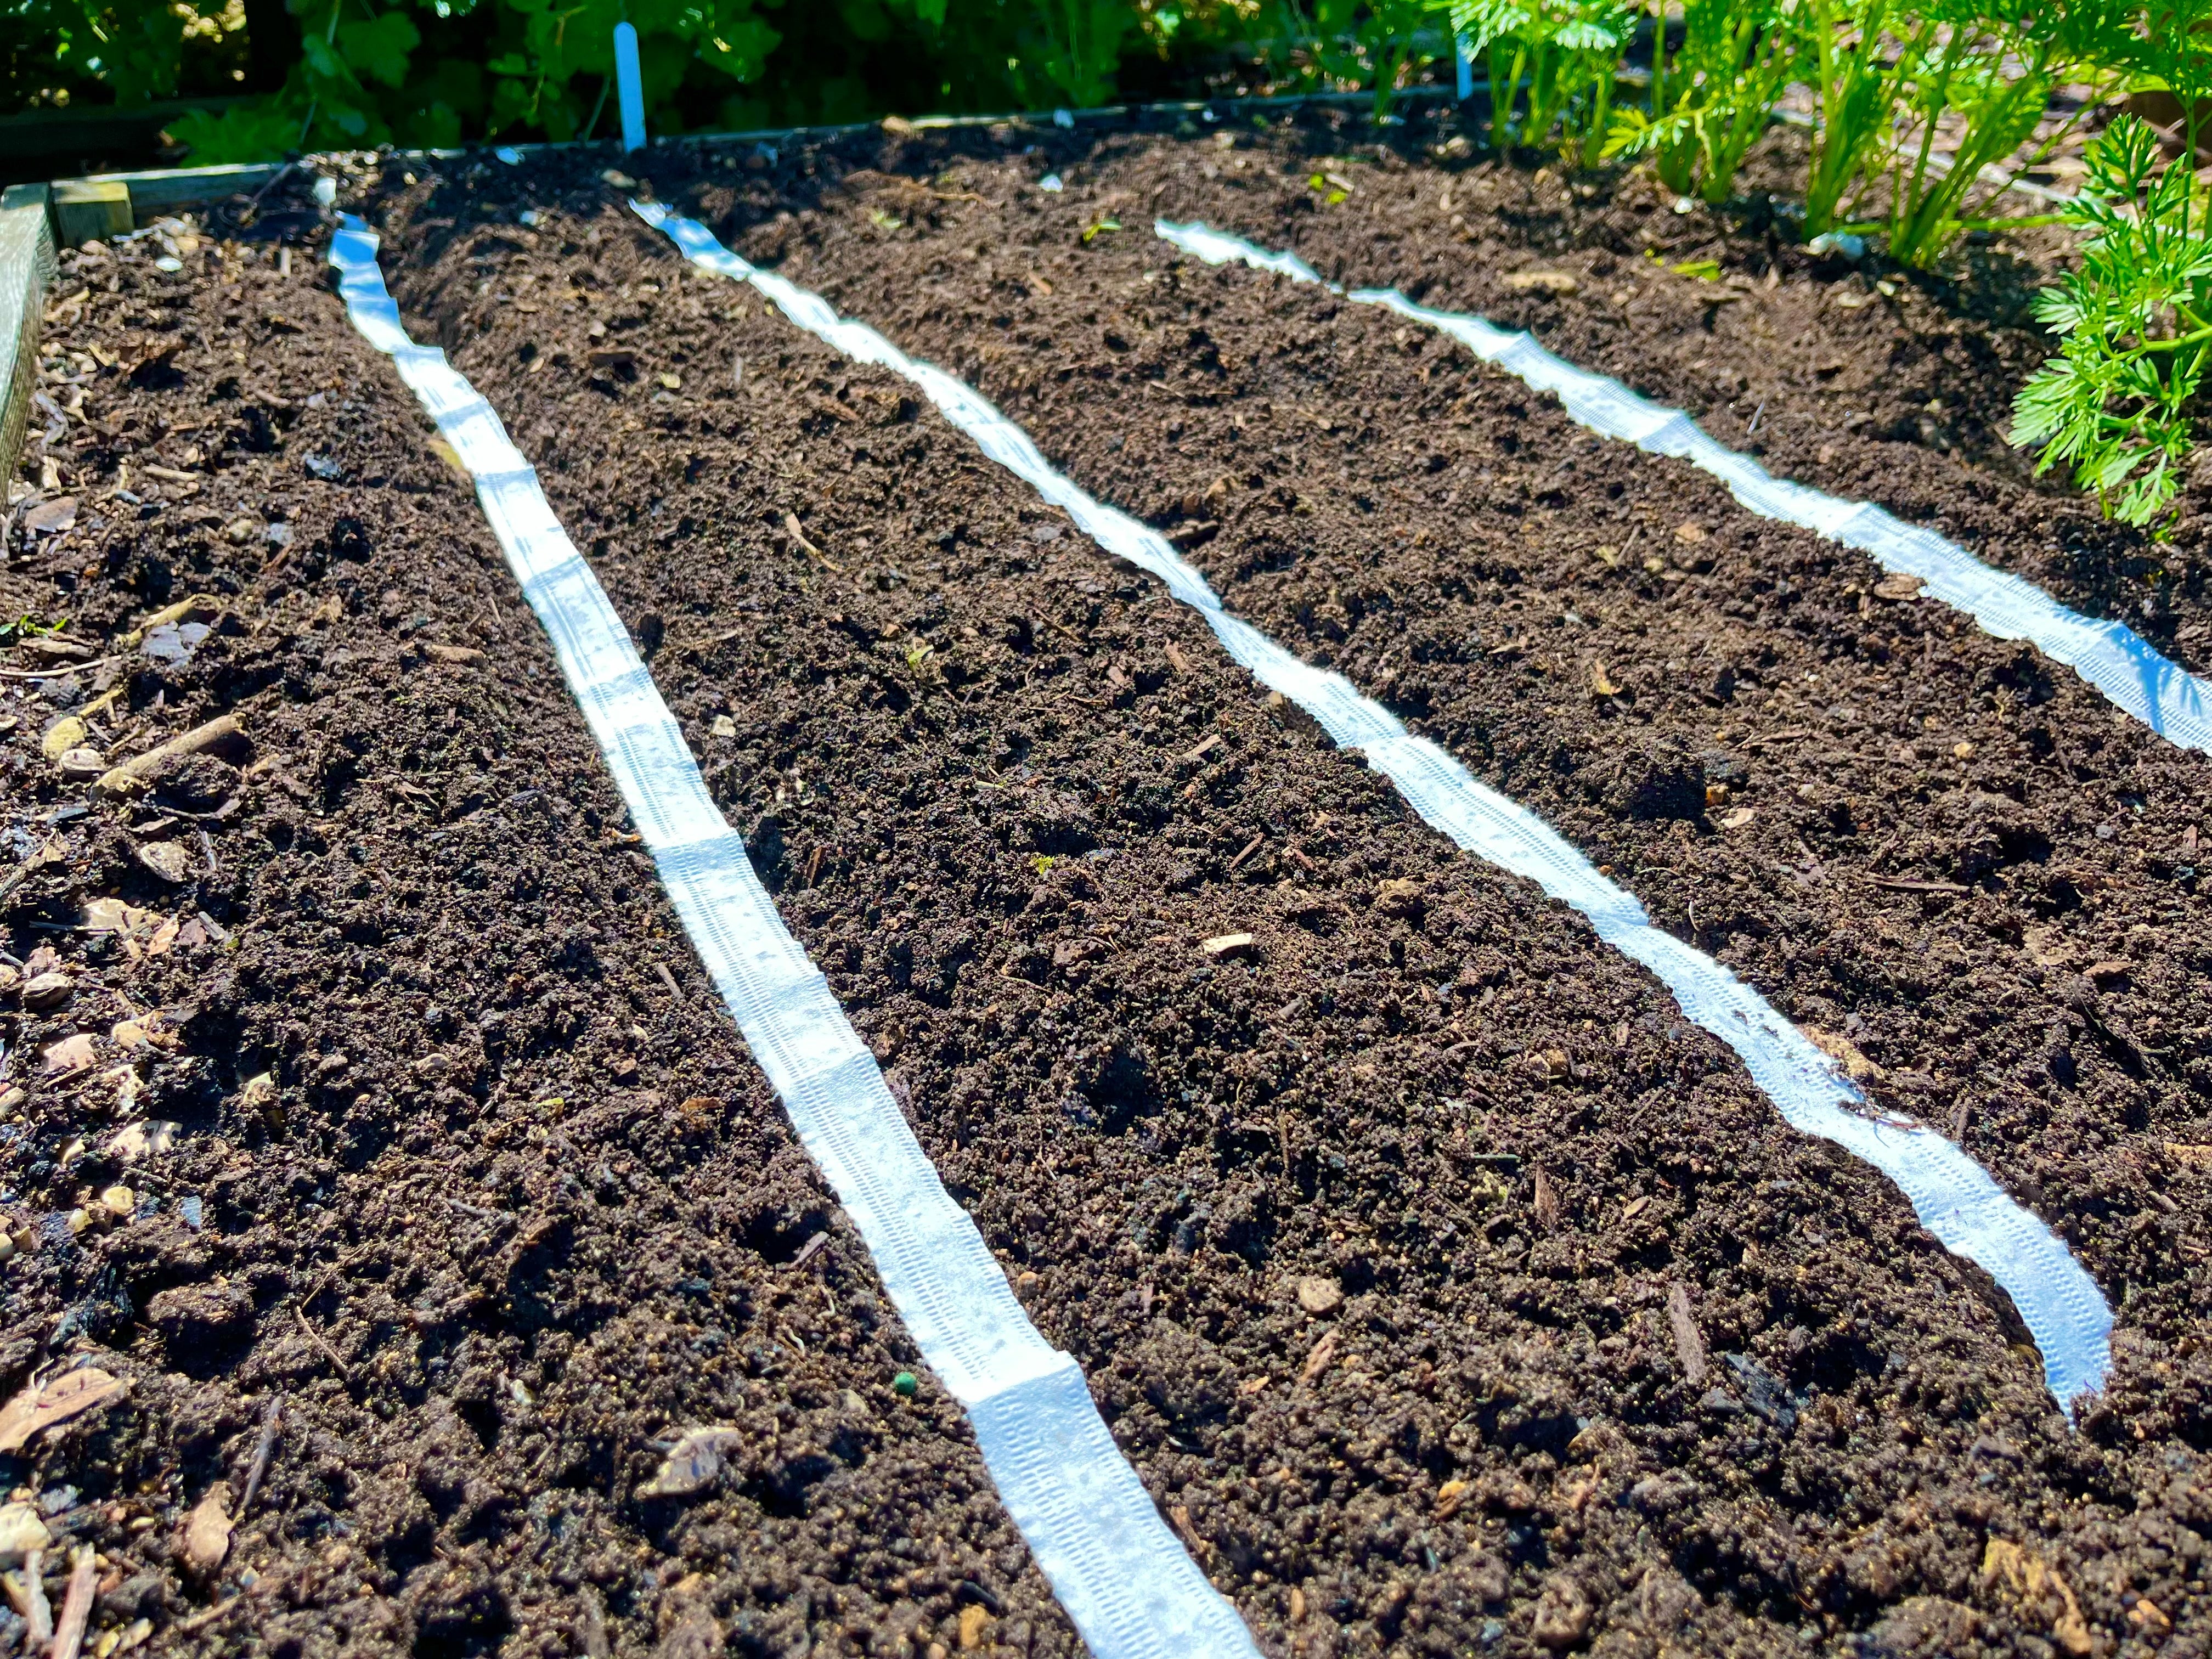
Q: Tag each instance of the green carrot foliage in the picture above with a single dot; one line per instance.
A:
(1564, 53)
(1712, 96)
(2119, 402)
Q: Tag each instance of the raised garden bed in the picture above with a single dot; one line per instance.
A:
(1449, 1290)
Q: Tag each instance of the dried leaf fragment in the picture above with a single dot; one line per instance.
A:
(63, 735)
(71, 1054)
(166, 860)
(1317, 1361)
(1897, 586)
(1546, 1201)
(1601, 683)
(972, 1620)
(42, 1405)
(2040, 1589)
(136, 1141)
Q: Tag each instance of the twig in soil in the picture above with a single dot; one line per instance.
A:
(201, 1620)
(1688, 1344)
(76, 1604)
(38, 1615)
(276, 179)
(1250, 847)
(478, 1210)
(669, 979)
(271, 1425)
(329, 1353)
(59, 672)
(1755, 414)
(791, 524)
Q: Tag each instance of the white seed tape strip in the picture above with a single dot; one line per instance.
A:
(1128, 1585)
(1953, 1195)
(2111, 656)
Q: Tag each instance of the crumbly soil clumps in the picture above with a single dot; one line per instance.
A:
(1157, 1133)
(424, 1127)
(1449, 1291)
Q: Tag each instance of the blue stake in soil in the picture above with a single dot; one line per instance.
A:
(1463, 57)
(629, 88)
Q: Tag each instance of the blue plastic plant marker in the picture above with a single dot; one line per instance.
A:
(1466, 62)
(629, 88)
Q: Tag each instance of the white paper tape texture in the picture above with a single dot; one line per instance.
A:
(2111, 656)
(1130, 1587)
(1953, 1195)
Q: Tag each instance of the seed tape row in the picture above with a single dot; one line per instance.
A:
(1127, 1584)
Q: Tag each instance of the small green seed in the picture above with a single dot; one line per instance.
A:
(904, 1385)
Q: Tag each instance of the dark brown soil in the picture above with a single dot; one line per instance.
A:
(537, 1204)
(1239, 1097)
(1620, 1361)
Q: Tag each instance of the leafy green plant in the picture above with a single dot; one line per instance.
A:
(2119, 401)
(1986, 81)
(132, 51)
(1379, 44)
(1859, 74)
(1565, 54)
(1712, 98)
(364, 78)
(1071, 50)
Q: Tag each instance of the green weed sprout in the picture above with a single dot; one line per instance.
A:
(2118, 402)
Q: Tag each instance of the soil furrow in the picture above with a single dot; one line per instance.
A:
(1872, 384)
(1964, 868)
(511, 1206)
(938, 711)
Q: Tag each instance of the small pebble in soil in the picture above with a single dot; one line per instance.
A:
(166, 860)
(1319, 1295)
(904, 1385)
(48, 990)
(20, 1531)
